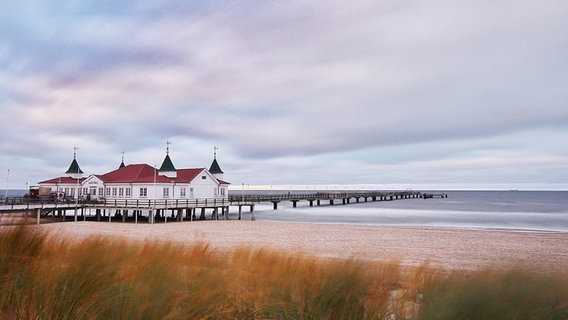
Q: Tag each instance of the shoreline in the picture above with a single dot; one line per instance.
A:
(408, 226)
(444, 248)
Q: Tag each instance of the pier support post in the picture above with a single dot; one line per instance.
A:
(274, 205)
(330, 202)
(253, 218)
(318, 202)
(294, 203)
(240, 212)
(202, 216)
(38, 214)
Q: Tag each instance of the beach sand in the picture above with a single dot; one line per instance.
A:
(441, 248)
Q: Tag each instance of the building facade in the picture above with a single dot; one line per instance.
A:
(140, 181)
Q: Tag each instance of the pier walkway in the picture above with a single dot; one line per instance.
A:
(185, 209)
(331, 197)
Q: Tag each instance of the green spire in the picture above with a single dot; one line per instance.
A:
(122, 163)
(167, 165)
(215, 168)
(74, 167)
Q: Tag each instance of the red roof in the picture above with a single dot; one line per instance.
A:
(137, 173)
(62, 180)
(143, 173)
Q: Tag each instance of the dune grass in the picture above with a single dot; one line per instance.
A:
(45, 278)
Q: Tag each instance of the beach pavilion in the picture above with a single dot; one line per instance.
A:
(141, 182)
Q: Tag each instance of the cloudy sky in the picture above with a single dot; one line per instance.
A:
(443, 94)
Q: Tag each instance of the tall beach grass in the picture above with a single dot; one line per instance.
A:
(43, 277)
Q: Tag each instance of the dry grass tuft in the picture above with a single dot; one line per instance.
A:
(99, 278)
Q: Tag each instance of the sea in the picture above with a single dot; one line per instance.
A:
(513, 210)
(508, 210)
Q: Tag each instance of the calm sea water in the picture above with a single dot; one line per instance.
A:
(514, 210)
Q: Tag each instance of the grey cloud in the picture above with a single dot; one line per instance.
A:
(305, 80)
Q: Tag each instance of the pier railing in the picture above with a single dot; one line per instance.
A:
(22, 203)
(26, 203)
(385, 195)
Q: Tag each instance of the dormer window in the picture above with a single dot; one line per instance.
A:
(203, 177)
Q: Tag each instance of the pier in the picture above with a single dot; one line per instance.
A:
(331, 198)
(131, 210)
(123, 210)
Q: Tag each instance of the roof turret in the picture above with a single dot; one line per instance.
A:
(167, 164)
(122, 162)
(215, 169)
(74, 167)
(167, 167)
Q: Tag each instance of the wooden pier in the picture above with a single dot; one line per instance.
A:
(131, 210)
(331, 198)
(121, 209)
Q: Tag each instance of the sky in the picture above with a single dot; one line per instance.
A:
(403, 94)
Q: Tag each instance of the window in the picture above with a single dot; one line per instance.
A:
(121, 192)
(166, 192)
(114, 192)
(101, 192)
(223, 191)
(72, 192)
(203, 177)
(85, 191)
(128, 192)
(108, 192)
(182, 192)
(191, 192)
(143, 192)
(93, 191)
(67, 191)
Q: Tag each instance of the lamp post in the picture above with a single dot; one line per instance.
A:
(153, 211)
(7, 180)
(77, 199)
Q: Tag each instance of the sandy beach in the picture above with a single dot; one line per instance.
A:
(443, 248)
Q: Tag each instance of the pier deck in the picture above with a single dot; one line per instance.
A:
(185, 209)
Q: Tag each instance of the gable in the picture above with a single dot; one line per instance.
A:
(92, 179)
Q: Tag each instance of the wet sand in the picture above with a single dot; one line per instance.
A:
(443, 248)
